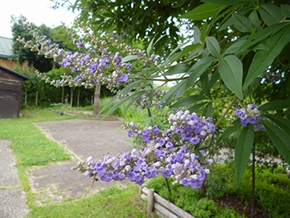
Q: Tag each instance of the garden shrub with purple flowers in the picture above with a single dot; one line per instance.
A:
(219, 71)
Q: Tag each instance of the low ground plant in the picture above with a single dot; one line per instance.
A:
(272, 192)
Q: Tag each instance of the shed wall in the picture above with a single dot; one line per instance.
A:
(10, 94)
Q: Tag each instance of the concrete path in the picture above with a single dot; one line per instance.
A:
(82, 138)
(12, 197)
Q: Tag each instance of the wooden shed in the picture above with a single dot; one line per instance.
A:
(10, 92)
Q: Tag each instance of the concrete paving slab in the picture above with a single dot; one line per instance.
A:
(12, 197)
(82, 138)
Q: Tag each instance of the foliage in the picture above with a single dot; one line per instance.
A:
(28, 143)
(189, 199)
(232, 51)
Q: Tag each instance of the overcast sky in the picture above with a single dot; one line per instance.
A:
(36, 11)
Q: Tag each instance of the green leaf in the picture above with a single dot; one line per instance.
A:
(129, 58)
(228, 2)
(130, 87)
(185, 102)
(280, 138)
(243, 151)
(233, 127)
(282, 122)
(235, 47)
(276, 105)
(231, 71)
(207, 111)
(197, 69)
(254, 18)
(270, 13)
(203, 11)
(213, 46)
(177, 69)
(196, 35)
(204, 82)
(195, 107)
(178, 88)
(285, 10)
(264, 58)
(242, 23)
(261, 35)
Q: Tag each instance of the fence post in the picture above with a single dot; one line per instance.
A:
(71, 96)
(36, 98)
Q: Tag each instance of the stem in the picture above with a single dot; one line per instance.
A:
(168, 187)
(149, 112)
(253, 184)
(225, 113)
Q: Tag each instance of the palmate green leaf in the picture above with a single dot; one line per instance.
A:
(276, 105)
(285, 9)
(228, 2)
(261, 35)
(280, 139)
(213, 46)
(233, 127)
(231, 71)
(197, 69)
(264, 58)
(243, 151)
(270, 13)
(282, 122)
(242, 23)
(130, 87)
(203, 11)
(185, 102)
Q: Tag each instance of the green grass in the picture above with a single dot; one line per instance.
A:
(30, 146)
(112, 202)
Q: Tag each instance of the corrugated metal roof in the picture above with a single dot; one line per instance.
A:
(5, 47)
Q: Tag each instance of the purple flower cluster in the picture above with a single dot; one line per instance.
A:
(250, 115)
(167, 154)
(95, 66)
(181, 165)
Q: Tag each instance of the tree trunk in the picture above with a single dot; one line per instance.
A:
(97, 100)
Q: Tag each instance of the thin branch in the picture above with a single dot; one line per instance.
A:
(225, 113)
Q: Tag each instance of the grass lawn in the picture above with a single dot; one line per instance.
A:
(31, 147)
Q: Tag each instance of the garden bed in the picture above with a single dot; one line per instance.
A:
(160, 205)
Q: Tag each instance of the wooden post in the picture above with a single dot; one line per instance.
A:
(97, 100)
(62, 94)
(36, 99)
(25, 99)
(150, 201)
(71, 96)
(66, 99)
(92, 100)
(78, 101)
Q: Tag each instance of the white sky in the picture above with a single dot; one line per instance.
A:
(36, 11)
